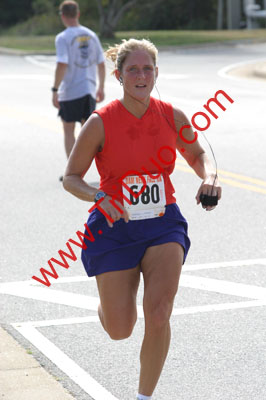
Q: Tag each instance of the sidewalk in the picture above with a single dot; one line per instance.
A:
(22, 377)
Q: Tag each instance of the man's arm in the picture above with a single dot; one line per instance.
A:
(59, 75)
(101, 77)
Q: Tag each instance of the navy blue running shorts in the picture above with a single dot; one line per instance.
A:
(78, 109)
(123, 246)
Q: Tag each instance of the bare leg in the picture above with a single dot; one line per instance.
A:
(161, 267)
(153, 354)
(69, 137)
(117, 311)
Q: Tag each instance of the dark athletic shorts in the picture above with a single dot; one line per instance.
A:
(123, 246)
(78, 109)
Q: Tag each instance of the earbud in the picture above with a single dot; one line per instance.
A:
(121, 79)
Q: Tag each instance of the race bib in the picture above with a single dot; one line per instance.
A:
(147, 203)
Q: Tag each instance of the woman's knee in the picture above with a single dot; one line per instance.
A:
(120, 331)
(118, 327)
(157, 314)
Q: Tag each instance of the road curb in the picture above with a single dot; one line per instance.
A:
(225, 43)
(15, 52)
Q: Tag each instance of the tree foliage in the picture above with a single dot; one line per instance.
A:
(42, 7)
(14, 11)
(171, 14)
(107, 16)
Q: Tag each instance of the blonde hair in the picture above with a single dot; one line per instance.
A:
(119, 52)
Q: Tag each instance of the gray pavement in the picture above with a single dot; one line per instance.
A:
(22, 377)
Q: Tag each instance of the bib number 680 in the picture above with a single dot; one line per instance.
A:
(150, 194)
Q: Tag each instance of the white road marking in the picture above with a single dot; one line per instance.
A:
(33, 290)
(35, 77)
(226, 264)
(49, 295)
(218, 307)
(176, 311)
(223, 287)
(35, 61)
(65, 363)
(67, 279)
(58, 322)
(73, 370)
(186, 267)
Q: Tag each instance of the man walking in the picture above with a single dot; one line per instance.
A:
(79, 56)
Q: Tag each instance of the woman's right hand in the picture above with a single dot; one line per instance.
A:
(114, 209)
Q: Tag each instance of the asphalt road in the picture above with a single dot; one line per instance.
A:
(218, 341)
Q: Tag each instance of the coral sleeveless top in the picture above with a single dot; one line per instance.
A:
(137, 145)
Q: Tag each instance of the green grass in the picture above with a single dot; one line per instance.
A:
(29, 43)
(159, 38)
(181, 38)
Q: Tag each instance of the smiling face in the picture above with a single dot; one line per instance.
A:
(138, 74)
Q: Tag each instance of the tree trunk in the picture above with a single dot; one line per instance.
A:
(110, 14)
(106, 32)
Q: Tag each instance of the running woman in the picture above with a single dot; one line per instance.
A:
(141, 230)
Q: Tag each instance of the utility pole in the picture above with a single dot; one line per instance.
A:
(233, 14)
(220, 14)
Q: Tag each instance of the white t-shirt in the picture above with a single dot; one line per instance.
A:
(80, 48)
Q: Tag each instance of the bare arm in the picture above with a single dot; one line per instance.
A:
(196, 157)
(59, 75)
(101, 77)
(89, 142)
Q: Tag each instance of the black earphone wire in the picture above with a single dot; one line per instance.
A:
(183, 123)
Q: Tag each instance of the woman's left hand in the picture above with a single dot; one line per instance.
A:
(210, 187)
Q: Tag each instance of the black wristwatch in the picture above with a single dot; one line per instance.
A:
(99, 195)
(54, 89)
